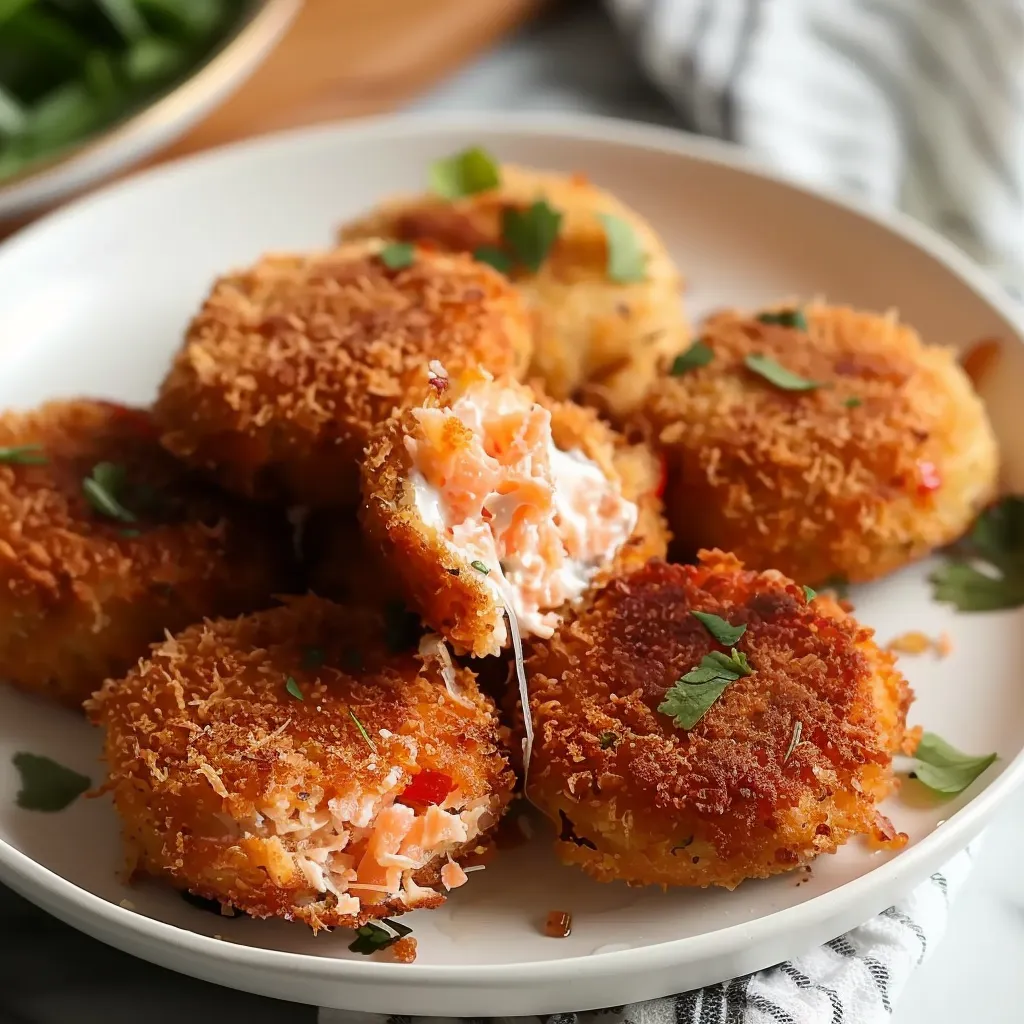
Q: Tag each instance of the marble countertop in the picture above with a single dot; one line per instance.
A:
(574, 61)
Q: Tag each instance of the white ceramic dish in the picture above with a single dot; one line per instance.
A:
(164, 119)
(94, 299)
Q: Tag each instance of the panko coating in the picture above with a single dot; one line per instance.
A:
(592, 333)
(891, 457)
(787, 763)
(86, 586)
(290, 765)
(490, 498)
(289, 365)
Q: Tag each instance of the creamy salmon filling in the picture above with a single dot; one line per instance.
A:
(365, 847)
(489, 478)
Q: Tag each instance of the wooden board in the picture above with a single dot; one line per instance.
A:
(345, 58)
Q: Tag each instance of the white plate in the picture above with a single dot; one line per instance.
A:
(94, 299)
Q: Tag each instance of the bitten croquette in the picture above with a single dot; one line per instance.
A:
(592, 334)
(289, 764)
(787, 763)
(891, 456)
(492, 497)
(290, 364)
(106, 541)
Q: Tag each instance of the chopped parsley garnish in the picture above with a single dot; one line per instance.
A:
(785, 318)
(45, 784)
(479, 566)
(985, 571)
(725, 633)
(794, 740)
(765, 366)
(627, 262)
(362, 730)
(371, 938)
(607, 739)
(810, 593)
(943, 768)
(398, 255)
(293, 688)
(103, 490)
(312, 657)
(695, 692)
(464, 174)
(529, 234)
(853, 402)
(696, 356)
(23, 455)
(494, 257)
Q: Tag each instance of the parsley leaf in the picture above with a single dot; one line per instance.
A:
(765, 366)
(696, 356)
(362, 730)
(464, 174)
(725, 633)
(293, 688)
(810, 593)
(479, 566)
(371, 937)
(531, 233)
(943, 768)
(24, 455)
(695, 692)
(103, 488)
(398, 255)
(986, 570)
(853, 402)
(785, 318)
(494, 257)
(627, 262)
(45, 784)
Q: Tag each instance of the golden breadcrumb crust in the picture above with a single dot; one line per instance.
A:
(438, 583)
(204, 733)
(82, 595)
(640, 799)
(836, 481)
(591, 332)
(291, 363)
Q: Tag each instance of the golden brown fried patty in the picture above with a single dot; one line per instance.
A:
(83, 593)
(290, 364)
(591, 332)
(436, 581)
(289, 764)
(638, 798)
(893, 456)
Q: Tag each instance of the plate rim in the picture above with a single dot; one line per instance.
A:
(27, 875)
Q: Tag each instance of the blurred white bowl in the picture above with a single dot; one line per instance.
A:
(167, 117)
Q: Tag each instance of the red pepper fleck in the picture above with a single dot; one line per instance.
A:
(558, 924)
(928, 478)
(659, 490)
(429, 787)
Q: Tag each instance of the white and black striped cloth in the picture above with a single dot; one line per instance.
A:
(917, 104)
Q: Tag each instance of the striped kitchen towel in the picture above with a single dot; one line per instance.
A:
(854, 979)
(917, 105)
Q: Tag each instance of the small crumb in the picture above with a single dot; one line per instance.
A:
(404, 950)
(226, 910)
(127, 904)
(558, 924)
(944, 645)
(910, 643)
(911, 738)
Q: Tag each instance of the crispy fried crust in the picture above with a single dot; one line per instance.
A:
(800, 481)
(81, 594)
(290, 364)
(203, 737)
(640, 799)
(454, 598)
(591, 333)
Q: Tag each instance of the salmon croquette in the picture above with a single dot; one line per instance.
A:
(593, 333)
(488, 500)
(106, 541)
(290, 765)
(289, 365)
(788, 762)
(821, 442)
